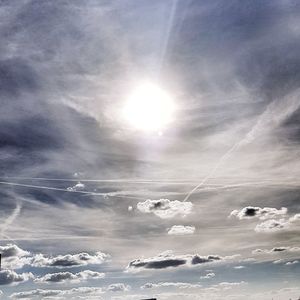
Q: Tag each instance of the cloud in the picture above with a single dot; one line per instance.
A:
(165, 208)
(272, 225)
(181, 230)
(118, 287)
(229, 285)
(180, 285)
(276, 250)
(11, 277)
(11, 250)
(14, 256)
(239, 267)
(75, 292)
(67, 276)
(168, 260)
(69, 260)
(258, 212)
(294, 262)
(77, 187)
(295, 218)
(208, 276)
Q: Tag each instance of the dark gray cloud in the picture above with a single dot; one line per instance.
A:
(167, 260)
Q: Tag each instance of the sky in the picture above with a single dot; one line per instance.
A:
(150, 149)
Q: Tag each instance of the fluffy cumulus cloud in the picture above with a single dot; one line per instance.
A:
(258, 212)
(11, 277)
(77, 187)
(69, 260)
(118, 287)
(61, 277)
(273, 219)
(11, 250)
(181, 230)
(14, 257)
(169, 260)
(81, 292)
(165, 208)
(180, 285)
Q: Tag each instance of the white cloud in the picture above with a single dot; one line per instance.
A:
(14, 256)
(11, 277)
(208, 276)
(181, 230)
(294, 262)
(69, 260)
(295, 218)
(180, 285)
(276, 250)
(258, 212)
(82, 292)
(239, 267)
(165, 208)
(118, 287)
(11, 250)
(272, 225)
(77, 187)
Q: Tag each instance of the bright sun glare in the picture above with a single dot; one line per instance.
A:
(149, 108)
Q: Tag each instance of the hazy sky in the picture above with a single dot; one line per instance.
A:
(93, 206)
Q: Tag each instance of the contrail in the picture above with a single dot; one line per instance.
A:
(212, 172)
(272, 116)
(65, 190)
(10, 220)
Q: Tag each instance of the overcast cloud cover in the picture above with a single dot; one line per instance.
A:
(93, 208)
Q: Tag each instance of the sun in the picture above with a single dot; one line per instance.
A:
(149, 108)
